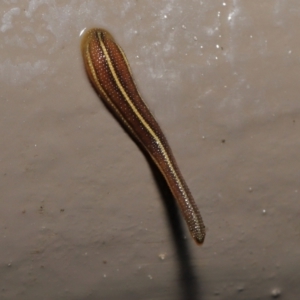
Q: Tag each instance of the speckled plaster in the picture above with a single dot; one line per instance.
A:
(83, 215)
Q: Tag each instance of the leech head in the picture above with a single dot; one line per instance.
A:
(199, 236)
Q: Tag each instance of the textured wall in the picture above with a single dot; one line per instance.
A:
(83, 215)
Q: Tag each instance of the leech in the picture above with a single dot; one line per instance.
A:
(110, 74)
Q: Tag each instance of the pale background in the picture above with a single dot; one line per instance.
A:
(82, 213)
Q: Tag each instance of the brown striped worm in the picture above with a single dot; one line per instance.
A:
(110, 74)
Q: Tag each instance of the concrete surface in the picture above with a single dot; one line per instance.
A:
(83, 215)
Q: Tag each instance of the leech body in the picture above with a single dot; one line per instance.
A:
(110, 74)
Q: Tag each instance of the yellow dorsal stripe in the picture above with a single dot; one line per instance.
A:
(96, 81)
(142, 120)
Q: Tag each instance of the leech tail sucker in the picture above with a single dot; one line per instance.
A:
(109, 72)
